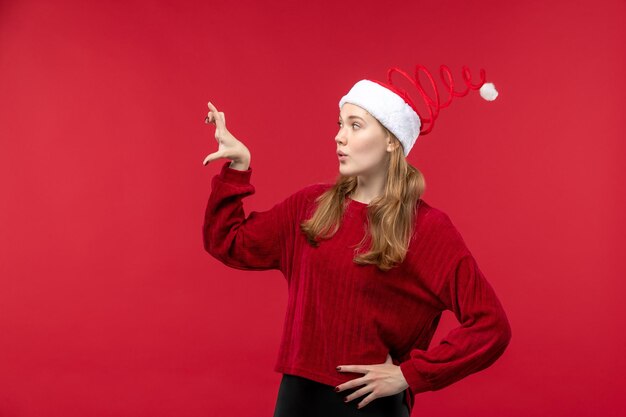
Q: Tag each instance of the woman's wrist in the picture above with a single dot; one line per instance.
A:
(240, 164)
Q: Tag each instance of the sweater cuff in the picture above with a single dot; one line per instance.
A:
(417, 382)
(229, 174)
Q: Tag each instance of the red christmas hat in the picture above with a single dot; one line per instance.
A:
(395, 109)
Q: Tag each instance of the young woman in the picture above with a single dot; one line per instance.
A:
(370, 266)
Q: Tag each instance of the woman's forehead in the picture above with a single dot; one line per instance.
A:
(350, 111)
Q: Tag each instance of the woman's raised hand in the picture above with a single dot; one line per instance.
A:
(228, 146)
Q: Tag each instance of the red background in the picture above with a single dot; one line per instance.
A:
(109, 305)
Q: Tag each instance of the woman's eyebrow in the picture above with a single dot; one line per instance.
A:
(353, 117)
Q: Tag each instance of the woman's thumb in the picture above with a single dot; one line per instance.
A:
(212, 157)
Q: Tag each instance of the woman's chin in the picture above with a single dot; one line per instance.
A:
(344, 170)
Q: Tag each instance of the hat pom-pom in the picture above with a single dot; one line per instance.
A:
(488, 91)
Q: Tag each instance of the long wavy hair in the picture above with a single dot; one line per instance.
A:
(390, 216)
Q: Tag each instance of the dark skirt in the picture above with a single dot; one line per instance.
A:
(302, 397)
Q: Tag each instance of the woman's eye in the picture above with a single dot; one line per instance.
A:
(339, 123)
(355, 124)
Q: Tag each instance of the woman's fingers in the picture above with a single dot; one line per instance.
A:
(227, 143)
(218, 117)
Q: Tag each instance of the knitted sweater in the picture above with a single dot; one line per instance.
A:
(342, 313)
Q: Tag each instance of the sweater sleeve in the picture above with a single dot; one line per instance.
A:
(251, 243)
(481, 338)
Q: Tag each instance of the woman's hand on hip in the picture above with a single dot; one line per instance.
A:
(228, 146)
(379, 380)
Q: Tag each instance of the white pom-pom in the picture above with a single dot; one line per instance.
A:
(488, 91)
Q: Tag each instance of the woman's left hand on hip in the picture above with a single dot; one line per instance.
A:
(379, 380)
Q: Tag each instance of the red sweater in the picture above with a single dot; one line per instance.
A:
(339, 312)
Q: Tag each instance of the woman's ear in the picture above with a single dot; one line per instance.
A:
(392, 144)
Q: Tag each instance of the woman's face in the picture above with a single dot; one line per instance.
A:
(362, 138)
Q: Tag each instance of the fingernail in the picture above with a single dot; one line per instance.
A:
(337, 389)
(339, 368)
(345, 400)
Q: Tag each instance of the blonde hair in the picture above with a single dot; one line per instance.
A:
(391, 216)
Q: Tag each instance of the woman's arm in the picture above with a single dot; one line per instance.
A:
(252, 243)
(481, 338)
